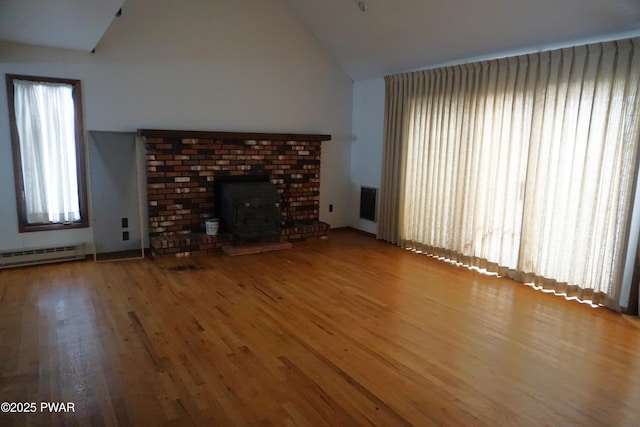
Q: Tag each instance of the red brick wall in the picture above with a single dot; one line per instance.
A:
(181, 172)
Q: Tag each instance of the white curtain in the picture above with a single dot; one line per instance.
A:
(523, 166)
(45, 118)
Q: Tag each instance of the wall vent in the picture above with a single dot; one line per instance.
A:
(368, 203)
(23, 257)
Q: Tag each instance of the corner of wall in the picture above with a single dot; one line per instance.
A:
(367, 145)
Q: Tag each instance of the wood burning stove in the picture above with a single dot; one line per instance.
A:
(250, 210)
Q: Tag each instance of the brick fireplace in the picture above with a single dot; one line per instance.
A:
(182, 167)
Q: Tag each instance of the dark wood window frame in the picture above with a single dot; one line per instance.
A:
(23, 225)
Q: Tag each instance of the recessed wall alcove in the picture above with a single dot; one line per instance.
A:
(182, 167)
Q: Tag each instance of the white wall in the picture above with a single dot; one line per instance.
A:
(114, 191)
(197, 65)
(366, 148)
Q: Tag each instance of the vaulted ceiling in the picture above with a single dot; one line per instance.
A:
(369, 38)
(70, 24)
(393, 36)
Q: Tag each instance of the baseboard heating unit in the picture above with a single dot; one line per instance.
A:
(33, 256)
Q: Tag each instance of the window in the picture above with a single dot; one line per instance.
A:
(48, 152)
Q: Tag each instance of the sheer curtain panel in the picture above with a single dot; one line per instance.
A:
(523, 166)
(45, 119)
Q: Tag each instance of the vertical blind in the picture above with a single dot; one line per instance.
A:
(523, 166)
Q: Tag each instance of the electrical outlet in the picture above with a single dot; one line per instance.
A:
(331, 208)
(125, 222)
(125, 235)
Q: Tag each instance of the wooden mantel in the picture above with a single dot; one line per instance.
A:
(157, 133)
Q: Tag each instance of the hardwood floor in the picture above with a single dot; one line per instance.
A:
(348, 331)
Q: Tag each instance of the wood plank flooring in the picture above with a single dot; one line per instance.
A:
(347, 331)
